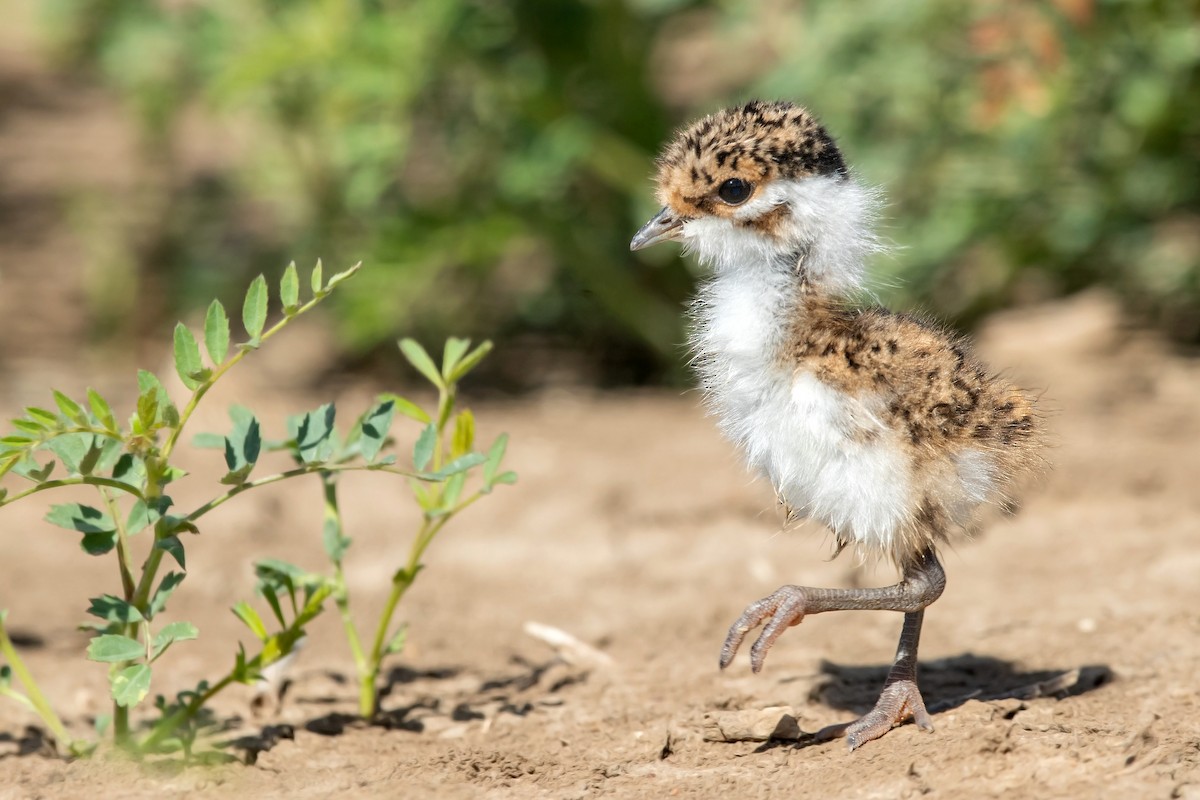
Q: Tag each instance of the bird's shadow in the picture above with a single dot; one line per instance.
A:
(949, 682)
(945, 685)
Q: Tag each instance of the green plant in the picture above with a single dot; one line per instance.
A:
(131, 468)
(443, 455)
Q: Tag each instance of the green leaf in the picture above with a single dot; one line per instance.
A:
(464, 434)
(272, 572)
(417, 356)
(249, 443)
(131, 685)
(29, 426)
(342, 276)
(98, 544)
(236, 477)
(129, 469)
(254, 310)
(273, 601)
(250, 618)
(208, 440)
(408, 408)
(47, 418)
(169, 583)
(147, 408)
(114, 609)
(242, 671)
(16, 441)
(452, 354)
(174, 546)
(272, 651)
(72, 449)
(99, 531)
(113, 647)
(28, 467)
(289, 289)
(72, 410)
(453, 490)
(506, 477)
(102, 410)
(87, 464)
(313, 433)
(216, 332)
(470, 362)
(170, 473)
(422, 494)
(375, 426)
(147, 380)
(187, 357)
(312, 606)
(142, 515)
(173, 524)
(460, 464)
(423, 449)
(398, 640)
(494, 457)
(335, 543)
(315, 280)
(171, 633)
(139, 517)
(243, 446)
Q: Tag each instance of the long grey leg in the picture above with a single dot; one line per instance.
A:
(922, 583)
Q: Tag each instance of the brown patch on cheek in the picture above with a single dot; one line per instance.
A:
(768, 223)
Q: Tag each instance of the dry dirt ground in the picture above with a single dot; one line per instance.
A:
(634, 529)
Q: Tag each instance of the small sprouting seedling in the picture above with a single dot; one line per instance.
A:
(444, 460)
(294, 598)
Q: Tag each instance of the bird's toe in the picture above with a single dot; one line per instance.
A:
(897, 703)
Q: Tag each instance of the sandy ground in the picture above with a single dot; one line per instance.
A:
(634, 529)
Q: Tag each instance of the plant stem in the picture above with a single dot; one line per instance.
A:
(307, 469)
(341, 597)
(123, 561)
(92, 480)
(33, 693)
(368, 697)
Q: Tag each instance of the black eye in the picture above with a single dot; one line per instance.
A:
(734, 191)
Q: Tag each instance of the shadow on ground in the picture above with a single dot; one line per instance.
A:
(949, 682)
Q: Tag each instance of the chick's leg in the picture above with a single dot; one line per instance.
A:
(900, 698)
(922, 583)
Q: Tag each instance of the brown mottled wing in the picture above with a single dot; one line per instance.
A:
(932, 388)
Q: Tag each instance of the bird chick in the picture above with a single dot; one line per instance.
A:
(881, 426)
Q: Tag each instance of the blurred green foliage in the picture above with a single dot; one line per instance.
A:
(490, 160)
(1028, 149)
(482, 158)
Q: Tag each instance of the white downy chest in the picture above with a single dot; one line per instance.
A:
(826, 453)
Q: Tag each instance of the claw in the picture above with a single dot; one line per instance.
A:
(897, 702)
(784, 607)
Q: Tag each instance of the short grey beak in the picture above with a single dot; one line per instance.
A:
(663, 227)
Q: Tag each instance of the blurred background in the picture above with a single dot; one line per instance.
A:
(488, 162)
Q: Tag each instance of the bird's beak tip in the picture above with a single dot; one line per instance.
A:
(662, 227)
